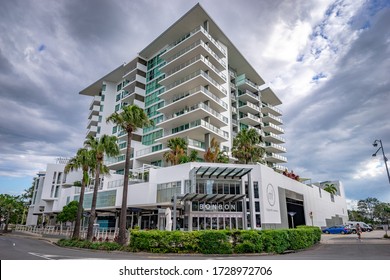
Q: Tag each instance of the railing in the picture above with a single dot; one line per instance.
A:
(257, 108)
(177, 97)
(199, 123)
(270, 134)
(151, 149)
(197, 29)
(277, 156)
(276, 146)
(273, 117)
(193, 75)
(191, 47)
(100, 234)
(192, 61)
(249, 93)
(198, 106)
(272, 108)
(274, 126)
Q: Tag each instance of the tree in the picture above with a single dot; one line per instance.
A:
(330, 188)
(382, 212)
(11, 209)
(69, 212)
(131, 118)
(106, 145)
(178, 152)
(85, 161)
(367, 206)
(214, 153)
(246, 147)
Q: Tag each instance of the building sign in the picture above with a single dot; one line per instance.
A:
(271, 195)
(216, 207)
(271, 210)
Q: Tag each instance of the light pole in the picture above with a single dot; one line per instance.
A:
(292, 217)
(375, 144)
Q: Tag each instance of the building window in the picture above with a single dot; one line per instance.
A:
(257, 206)
(256, 189)
(166, 191)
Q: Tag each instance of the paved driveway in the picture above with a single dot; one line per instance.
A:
(373, 237)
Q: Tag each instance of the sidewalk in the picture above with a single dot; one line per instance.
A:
(47, 237)
(373, 237)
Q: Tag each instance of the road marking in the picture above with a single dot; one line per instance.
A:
(41, 255)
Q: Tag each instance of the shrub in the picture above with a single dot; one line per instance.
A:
(214, 242)
(275, 241)
(248, 241)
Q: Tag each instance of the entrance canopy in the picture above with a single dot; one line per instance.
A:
(211, 197)
(222, 172)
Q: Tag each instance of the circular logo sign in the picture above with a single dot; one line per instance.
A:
(271, 195)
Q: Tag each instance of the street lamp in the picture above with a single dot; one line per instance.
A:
(375, 144)
(292, 217)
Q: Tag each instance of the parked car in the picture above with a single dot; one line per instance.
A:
(364, 226)
(337, 229)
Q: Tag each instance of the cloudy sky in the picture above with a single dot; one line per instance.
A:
(328, 61)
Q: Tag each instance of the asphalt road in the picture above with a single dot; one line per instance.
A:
(332, 247)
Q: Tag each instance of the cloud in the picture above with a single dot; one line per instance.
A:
(328, 61)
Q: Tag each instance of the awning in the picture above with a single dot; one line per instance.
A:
(211, 197)
(222, 172)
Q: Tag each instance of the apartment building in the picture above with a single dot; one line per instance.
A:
(193, 83)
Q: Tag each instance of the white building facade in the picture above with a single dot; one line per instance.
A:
(201, 196)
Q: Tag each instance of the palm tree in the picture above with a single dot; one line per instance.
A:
(246, 146)
(214, 153)
(178, 152)
(330, 188)
(85, 161)
(106, 145)
(131, 118)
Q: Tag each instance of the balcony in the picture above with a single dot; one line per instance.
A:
(195, 130)
(92, 131)
(270, 127)
(186, 115)
(250, 119)
(191, 81)
(196, 95)
(273, 138)
(117, 162)
(269, 109)
(93, 121)
(132, 81)
(275, 158)
(197, 48)
(95, 101)
(190, 66)
(246, 84)
(195, 35)
(269, 118)
(249, 107)
(248, 96)
(274, 148)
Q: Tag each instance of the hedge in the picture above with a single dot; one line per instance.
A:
(224, 241)
(210, 241)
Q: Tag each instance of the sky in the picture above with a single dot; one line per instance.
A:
(327, 60)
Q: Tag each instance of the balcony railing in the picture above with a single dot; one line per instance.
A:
(197, 29)
(249, 93)
(274, 126)
(191, 47)
(198, 106)
(193, 75)
(197, 123)
(279, 147)
(193, 91)
(192, 61)
(272, 108)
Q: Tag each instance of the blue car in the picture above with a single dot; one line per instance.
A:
(337, 230)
